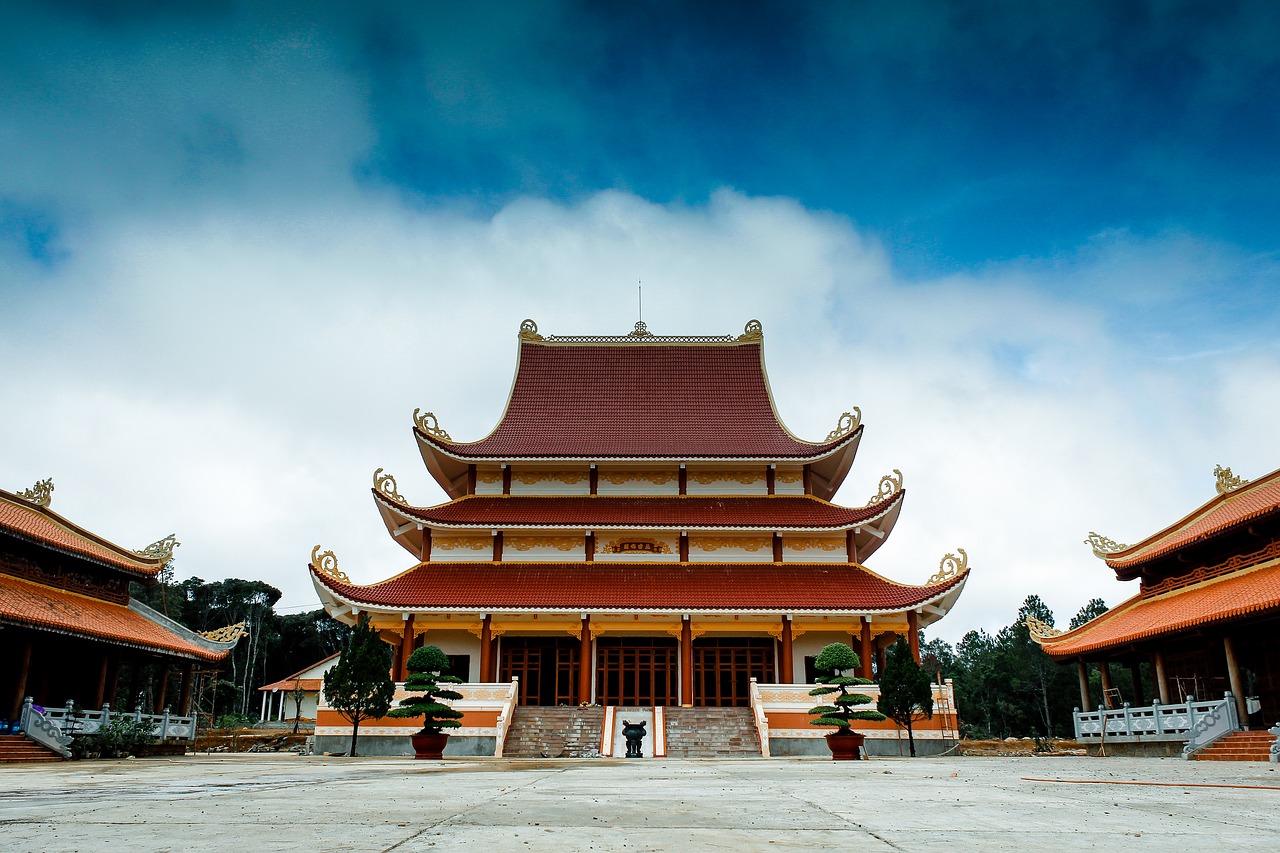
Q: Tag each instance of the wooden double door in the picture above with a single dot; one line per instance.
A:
(723, 669)
(546, 666)
(637, 671)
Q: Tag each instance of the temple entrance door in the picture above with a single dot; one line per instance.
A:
(723, 669)
(546, 666)
(636, 671)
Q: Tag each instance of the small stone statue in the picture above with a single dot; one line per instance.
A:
(634, 733)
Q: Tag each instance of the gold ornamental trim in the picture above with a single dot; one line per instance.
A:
(430, 424)
(635, 546)
(161, 549)
(1102, 546)
(788, 476)
(456, 543)
(326, 563)
(715, 543)
(41, 494)
(1039, 629)
(745, 477)
(657, 478)
(1225, 481)
(890, 485)
(949, 567)
(386, 484)
(812, 543)
(569, 478)
(489, 476)
(527, 543)
(226, 634)
(849, 421)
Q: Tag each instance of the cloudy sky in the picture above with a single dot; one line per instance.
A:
(1034, 242)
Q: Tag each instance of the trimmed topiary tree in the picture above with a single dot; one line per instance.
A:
(833, 662)
(906, 691)
(427, 671)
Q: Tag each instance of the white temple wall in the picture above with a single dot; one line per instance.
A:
(456, 642)
(739, 481)
(788, 481)
(478, 547)
(624, 546)
(736, 549)
(489, 481)
(655, 483)
(535, 482)
(548, 547)
(814, 549)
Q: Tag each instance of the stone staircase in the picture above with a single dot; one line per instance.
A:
(711, 733)
(19, 749)
(1239, 746)
(554, 732)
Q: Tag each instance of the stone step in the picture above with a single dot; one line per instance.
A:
(15, 749)
(554, 732)
(1239, 746)
(711, 733)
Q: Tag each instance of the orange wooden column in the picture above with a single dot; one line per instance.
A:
(868, 654)
(406, 649)
(586, 662)
(785, 674)
(913, 633)
(686, 663)
(486, 652)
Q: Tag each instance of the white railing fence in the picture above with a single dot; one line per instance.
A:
(504, 716)
(1219, 722)
(762, 719)
(69, 721)
(1154, 721)
(37, 726)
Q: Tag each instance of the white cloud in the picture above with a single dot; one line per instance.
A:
(236, 378)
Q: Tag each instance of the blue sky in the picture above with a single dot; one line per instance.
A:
(1060, 215)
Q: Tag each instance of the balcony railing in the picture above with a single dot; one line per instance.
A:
(1189, 721)
(59, 725)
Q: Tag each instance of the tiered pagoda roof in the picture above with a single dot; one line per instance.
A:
(90, 599)
(1181, 590)
(639, 397)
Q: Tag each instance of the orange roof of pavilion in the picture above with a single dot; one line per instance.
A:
(40, 525)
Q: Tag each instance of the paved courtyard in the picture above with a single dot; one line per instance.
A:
(266, 803)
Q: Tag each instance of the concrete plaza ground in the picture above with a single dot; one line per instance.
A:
(284, 802)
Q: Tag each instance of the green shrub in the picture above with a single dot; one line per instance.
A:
(118, 738)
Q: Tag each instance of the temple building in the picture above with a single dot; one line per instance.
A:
(68, 623)
(1205, 617)
(639, 530)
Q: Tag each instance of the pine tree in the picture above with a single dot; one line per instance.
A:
(906, 692)
(359, 686)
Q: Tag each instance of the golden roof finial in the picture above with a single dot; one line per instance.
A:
(386, 484)
(161, 549)
(1226, 481)
(227, 634)
(529, 331)
(849, 421)
(326, 563)
(41, 494)
(1039, 629)
(753, 331)
(1102, 546)
(949, 567)
(890, 485)
(430, 424)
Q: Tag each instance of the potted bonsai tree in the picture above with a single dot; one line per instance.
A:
(427, 667)
(832, 662)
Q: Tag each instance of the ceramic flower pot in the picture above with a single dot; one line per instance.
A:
(845, 745)
(428, 746)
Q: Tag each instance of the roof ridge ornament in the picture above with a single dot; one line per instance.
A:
(529, 331)
(430, 424)
(1102, 546)
(326, 563)
(849, 421)
(753, 331)
(228, 634)
(161, 549)
(641, 330)
(1226, 481)
(385, 484)
(950, 566)
(1039, 629)
(41, 494)
(890, 485)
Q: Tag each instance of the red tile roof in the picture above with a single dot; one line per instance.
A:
(286, 684)
(43, 526)
(641, 586)
(1224, 513)
(639, 400)
(1251, 591)
(773, 512)
(34, 605)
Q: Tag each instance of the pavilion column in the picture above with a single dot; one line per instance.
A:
(590, 547)
(1237, 683)
(770, 479)
(263, 715)
(777, 548)
(406, 648)
(913, 633)
(184, 694)
(851, 545)
(100, 696)
(424, 550)
(1162, 679)
(163, 695)
(113, 676)
(1104, 669)
(1135, 672)
(1082, 669)
(785, 663)
(24, 669)
(486, 651)
(684, 546)
(497, 546)
(585, 661)
(686, 662)
(867, 653)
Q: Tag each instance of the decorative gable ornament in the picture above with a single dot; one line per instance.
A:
(951, 566)
(1102, 546)
(386, 484)
(890, 485)
(161, 549)
(41, 494)
(1225, 481)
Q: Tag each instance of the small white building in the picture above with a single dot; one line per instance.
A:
(278, 700)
